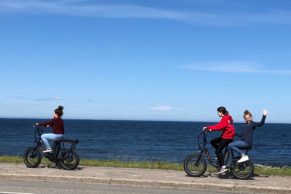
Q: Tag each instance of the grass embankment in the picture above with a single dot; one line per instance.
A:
(259, 170)
(106, 163)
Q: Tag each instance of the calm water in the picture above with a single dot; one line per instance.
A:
(145, 141)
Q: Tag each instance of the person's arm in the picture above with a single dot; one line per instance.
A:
(219, 126)
(45, 124)
(260, 124)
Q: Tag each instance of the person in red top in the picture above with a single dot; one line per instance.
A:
(57, 124)
(228, 132)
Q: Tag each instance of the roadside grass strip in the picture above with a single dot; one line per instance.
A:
(259, 169)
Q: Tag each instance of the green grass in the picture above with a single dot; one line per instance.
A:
(11, 159)
(107, 163)
(132, 164)
(259, 170)
(273, 171)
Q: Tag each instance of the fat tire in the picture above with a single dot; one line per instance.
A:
(76, 159)
(250, 164)
(201, 162)
(28, 153)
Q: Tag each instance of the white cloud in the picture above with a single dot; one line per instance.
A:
(236, 67)
(57, 98)
(49, 99)
(17, 97)
(163, 108)
(91, 9)
(80, 8)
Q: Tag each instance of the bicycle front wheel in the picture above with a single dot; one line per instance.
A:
(195, 165)
(243, 170)
(32, 157)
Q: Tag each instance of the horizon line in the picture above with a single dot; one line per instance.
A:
(138, 120)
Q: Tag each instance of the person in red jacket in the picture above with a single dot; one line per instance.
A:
(227, 135)
(57, 124)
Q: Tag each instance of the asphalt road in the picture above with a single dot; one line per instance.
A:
(42, 187)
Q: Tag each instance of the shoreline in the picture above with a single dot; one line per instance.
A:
(140, 120)
(260, 170)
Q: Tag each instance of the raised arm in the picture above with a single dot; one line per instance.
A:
(260, 124)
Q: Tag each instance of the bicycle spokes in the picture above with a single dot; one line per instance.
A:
(195, 165)
(32, 154)
(243, 170)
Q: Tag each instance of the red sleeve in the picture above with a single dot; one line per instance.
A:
(219, 126)
(48, 123)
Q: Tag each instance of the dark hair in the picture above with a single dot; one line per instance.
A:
(248, 113)
(59, 111)
(222, 110)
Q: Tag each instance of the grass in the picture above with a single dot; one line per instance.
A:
(132, 164)
(273, 171)
(107, 163)
(259, 170)
(11, 159)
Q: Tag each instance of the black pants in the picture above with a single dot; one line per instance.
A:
(219, 144)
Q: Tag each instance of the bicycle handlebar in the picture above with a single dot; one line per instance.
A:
(204, 138)
(38, 130)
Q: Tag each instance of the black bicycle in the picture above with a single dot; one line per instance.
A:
(195, 165)
(63, 154)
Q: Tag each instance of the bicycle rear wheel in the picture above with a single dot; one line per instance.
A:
(195, 165)
(244, 170)
(70, 160)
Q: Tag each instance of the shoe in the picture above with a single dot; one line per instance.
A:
(47, 151)
(244, 158)
(222, 170)
(52, 166)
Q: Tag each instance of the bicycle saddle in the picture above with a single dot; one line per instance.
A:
(247, 149)
(73, 141)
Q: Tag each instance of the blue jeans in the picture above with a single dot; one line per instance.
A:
(50, 136)
(236, 146)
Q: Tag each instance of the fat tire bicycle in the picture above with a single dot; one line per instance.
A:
(195, 165)
(63, 157)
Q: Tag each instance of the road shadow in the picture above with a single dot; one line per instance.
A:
(53, 166)
(229, 176)
(203, 176)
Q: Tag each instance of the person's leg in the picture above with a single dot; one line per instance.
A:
(50, 136)
(44, 138)
(54, 138)
(215, 142)
(241, 145)
(236, 146)
(223, 143)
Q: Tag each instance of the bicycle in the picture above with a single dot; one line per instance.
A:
(63, 157)
(195, 165)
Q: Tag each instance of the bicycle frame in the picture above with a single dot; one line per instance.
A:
(204, 150)
(230, 157)
(58, 146)
(195, 165)
(65, 158)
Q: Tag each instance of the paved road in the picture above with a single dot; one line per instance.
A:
(139, 177)
(44, 187)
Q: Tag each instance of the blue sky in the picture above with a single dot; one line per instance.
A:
(146, 59)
